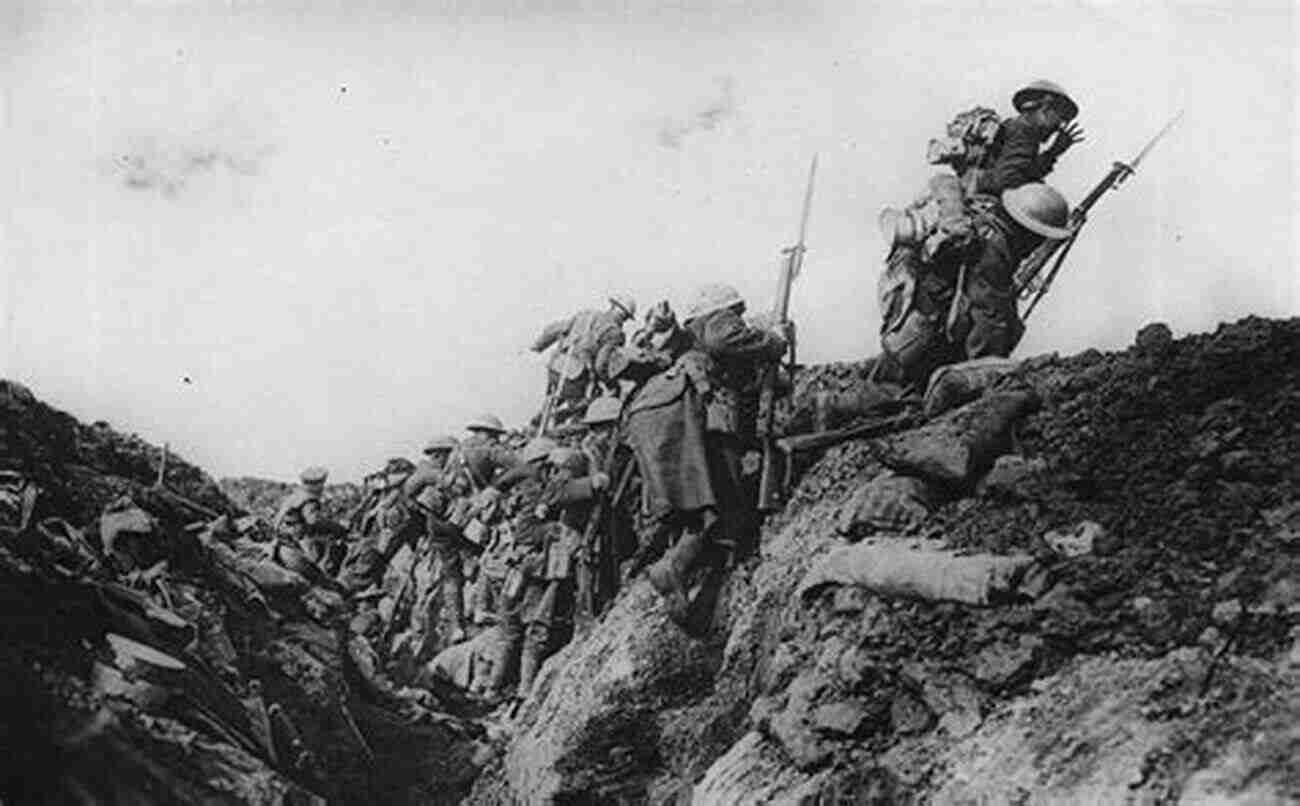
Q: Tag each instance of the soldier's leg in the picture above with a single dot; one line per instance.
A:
(539, 611)
(992, 332)
(735, 531)
(655, 532)
(670, 575)
(510, 622)
(449, 584)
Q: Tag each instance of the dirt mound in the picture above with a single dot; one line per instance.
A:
(1153, 496)
(155, 655)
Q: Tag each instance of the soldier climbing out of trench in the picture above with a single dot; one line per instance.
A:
(947, 293)
(579, 366)
(689, 427)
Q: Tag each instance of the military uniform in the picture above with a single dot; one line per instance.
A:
(737, 354)
(963, 306)
(439, 576)
(586, 343)
(301, 522)
(689, 428)
(1016, 156)
(390, 526)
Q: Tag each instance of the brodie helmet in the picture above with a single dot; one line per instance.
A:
(1039, 208)
(1029, 94)
(624, 303)
(442, 442)
(486, 422)
(713, 297)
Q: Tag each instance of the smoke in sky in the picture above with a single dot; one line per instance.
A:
(706, 118)
(151, 164)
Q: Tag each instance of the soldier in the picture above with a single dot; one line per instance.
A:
(738, 351)
(301, 521)
(941, 225)
(547, 601)
(390, 526)
(428, 489)
(1016, 156)
(480, 457)
(720, 374)
(508, 560)
(611, 539)
(302, 503)
(580, 363)
(964, 306)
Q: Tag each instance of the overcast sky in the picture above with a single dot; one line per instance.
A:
(279, 233)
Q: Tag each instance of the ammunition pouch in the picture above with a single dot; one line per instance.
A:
(560, 550)
(513, 585)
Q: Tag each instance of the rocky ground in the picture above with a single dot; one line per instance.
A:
(1082, 587)
(1078, 581)
(154, 655)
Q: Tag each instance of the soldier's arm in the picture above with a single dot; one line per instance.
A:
(424, 476)
(1018, 162)
(551, 334)
(730, 337)
(512, 477)
(610, 340)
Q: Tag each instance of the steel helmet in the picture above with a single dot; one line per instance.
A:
(399, 465)
(713, 297)
(537, 449)
(603, 410)
(1033, 92)
(486, 422)
(314, 475)
(442, 442)
(625, 303)
(1039, 208)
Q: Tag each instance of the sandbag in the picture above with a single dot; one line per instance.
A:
(888, 502)
(918, 570)
(956, 384)
(959, 447)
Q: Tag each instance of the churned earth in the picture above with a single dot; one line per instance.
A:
(1116, 618)
(1081, 585)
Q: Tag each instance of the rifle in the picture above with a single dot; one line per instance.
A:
(1027, 282)
(775, 475)
(594, 553)
(827, 439)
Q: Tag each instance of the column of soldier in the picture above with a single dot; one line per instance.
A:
(640, 462)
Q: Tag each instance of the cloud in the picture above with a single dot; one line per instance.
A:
(152, 165)
(707, 118)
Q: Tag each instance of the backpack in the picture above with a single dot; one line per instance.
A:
(968, 142)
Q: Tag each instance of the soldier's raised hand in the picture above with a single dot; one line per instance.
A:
(1066, 136)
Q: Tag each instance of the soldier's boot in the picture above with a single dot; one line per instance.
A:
(651, 549)
(670, 575)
